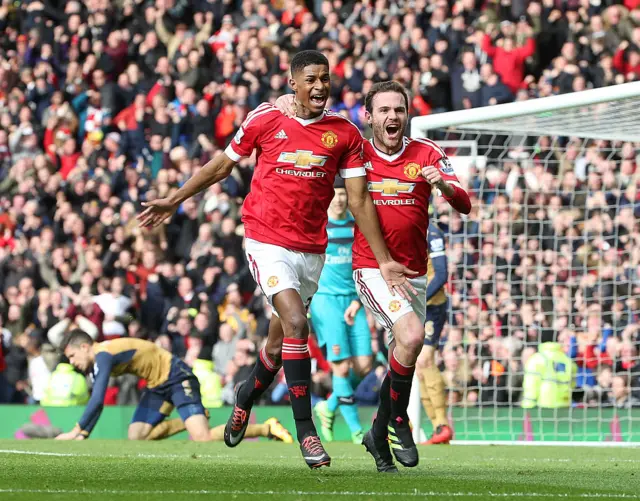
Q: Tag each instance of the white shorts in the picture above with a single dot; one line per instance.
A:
(276, 269)
(388, 309)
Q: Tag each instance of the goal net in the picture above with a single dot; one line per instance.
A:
(551, 248)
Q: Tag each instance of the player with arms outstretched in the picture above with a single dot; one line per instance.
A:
(170, 383)
(340, 322)
(285, 218)
(401, 174)
(432, 385)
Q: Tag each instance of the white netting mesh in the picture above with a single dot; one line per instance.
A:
(612, 120)
(552, 245)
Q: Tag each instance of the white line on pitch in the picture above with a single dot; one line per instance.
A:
(522, 443)
(38, 453)
(414, 493)
(142, 455)
(187, 455)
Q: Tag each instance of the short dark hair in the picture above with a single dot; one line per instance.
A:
(307, 58)
(77, 337)
(339, 183)
(388, 86)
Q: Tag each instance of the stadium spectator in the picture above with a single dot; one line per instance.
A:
(508, 59)
(621, 397)
(224, 349)
(6, 389)
(39, 371)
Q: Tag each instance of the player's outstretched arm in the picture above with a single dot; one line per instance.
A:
(214, 171)
(96, 403)
(364, 212)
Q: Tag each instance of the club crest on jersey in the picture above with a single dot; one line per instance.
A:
(273, 281)
(329, 139)
(394, 306)
(303, 159)
(390, 187)
(412, 170)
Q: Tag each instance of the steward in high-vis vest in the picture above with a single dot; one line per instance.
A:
(66, 388)
(549, 377)
(210, 383)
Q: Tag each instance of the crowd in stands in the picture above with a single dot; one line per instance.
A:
(106, 104)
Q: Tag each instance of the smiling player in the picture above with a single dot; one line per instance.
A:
(285, 219)
(401, 174)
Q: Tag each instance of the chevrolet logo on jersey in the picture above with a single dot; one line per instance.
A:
(391, 187)
(303, 159)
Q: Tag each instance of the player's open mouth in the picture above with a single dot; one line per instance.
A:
(393, 131)
(318, 99)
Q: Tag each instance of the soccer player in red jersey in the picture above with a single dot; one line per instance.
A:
(285, 218)
(401, 175)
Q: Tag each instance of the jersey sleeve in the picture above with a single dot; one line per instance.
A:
(438, 258)
(436, 245)
(102, 371)
(352, 162)
(446, 171)
(248, 135)
(459, 200)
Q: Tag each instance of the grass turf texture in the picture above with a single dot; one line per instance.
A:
(119, 470)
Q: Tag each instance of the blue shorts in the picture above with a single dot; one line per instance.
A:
(181, 390)
(435, 319)
(341, 341)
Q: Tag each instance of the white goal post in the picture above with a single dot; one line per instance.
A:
(520, 147)
(554, 115)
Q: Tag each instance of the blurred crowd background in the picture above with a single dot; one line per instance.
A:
(106, 104)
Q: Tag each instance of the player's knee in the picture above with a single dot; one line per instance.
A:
(197, 426)
(426, 363)
(294, 325)
(341, 368)
(137, 433)
(201, 436)
(426, 360)
(274, 350)
(363, 368)
(413, 341)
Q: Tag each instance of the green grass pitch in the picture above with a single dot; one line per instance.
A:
(118, 470)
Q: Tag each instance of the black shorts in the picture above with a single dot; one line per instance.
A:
(435, 319)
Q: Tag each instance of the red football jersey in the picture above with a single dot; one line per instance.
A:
(292, 186)
(401, 196)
